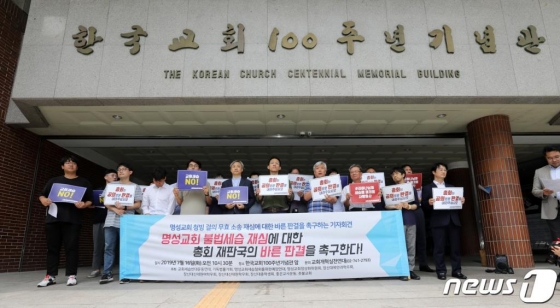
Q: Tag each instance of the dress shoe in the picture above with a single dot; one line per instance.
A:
(558, 278)
(414, 276)
(426, 269)
(441, 276)
(459, 275)
(403, 278)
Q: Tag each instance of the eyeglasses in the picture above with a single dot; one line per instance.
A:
(122, 169)
(193, 165)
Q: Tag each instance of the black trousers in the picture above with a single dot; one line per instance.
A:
(554, 226)
(421, 253)
(57, 234)
(441, 235)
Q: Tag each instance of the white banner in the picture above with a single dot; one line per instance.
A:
(378, 177)
(276, 247)
(396, 194)
(448, 198)
(271, 185)
(124, 193)
(215, 186)
(298, 183)
(327, 185)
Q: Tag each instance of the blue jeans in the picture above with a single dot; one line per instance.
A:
(111, 240)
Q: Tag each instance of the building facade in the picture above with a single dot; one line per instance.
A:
(268, 72)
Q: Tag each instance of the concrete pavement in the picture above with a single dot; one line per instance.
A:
(20, 290)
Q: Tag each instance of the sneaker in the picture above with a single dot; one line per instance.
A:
(124, 280)
(106, 278)
(47, 281)
(72, 280)
(94, 274)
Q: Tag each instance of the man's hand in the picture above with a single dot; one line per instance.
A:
(80, 205)
(547, 192)
(119, 206)
(330, 199)
(205, 190)
(555, 250)
(119, 212)
(46, 201)
(431, 201)
(230, 206)
(240, 206)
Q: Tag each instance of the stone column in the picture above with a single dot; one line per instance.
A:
(459, 175)
(504, 222)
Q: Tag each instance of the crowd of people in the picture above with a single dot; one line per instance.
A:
(161, 198)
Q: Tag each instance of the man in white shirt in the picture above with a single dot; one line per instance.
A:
(550, 197)
(158, 198)
(356, 177)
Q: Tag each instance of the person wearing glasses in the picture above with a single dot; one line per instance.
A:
(113, 222)
(446, 226)
(356, 176)
(64, 226)
(194, 202)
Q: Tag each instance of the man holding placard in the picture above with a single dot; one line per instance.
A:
(65, 196)
(408, 206)
(297, 182)
(274, 192)
(445, 225)
(323, 203)
(241, 197)
(359, 196)
(193, 196)
(121, 198)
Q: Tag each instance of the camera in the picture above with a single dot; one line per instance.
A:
(552, 258)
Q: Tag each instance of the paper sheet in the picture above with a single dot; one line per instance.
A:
(551, 184)
(53, 209)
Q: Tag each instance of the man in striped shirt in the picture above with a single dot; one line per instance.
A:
(325, 205)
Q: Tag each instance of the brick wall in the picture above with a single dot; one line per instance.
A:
(18, 154)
